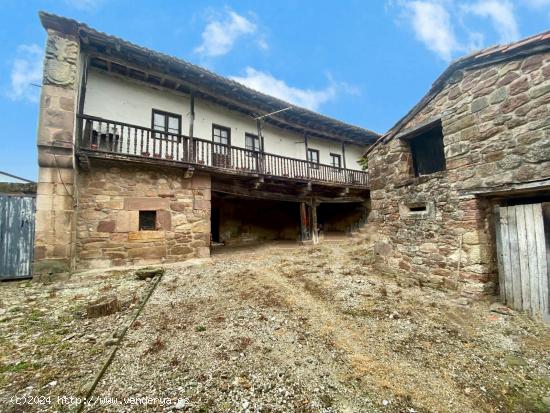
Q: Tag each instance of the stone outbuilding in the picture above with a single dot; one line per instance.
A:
(479, 140)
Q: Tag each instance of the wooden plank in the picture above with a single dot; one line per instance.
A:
(503, 255)
(500, 256)
(523, 252)
(543, 258)
(534, 295)
(515, 271)
(507, 260)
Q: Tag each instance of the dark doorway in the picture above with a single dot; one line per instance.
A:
(243, 220)
(339, 217)
(215, 224)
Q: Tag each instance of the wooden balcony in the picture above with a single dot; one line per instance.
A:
(117, 140)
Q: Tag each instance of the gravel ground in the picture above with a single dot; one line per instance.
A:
(274, 329)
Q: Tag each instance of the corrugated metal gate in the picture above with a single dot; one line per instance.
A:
(16, 236)
(523, 252)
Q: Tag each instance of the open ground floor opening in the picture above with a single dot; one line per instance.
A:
(239, 220)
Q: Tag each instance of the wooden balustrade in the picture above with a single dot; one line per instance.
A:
(113, 137)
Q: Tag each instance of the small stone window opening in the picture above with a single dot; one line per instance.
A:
(418, 208)
(427, 151)
(147, 220)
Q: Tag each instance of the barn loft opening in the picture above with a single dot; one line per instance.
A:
(427, 150)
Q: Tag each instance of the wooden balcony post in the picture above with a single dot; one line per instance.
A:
(261, 158)
(314, 230)
(344, 154)
(307, 147)
(191, 154)
(304, 236)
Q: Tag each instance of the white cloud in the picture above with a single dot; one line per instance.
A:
(219, 36)
(501, 13)
(431, 23)
(307, 98)
(26, 69)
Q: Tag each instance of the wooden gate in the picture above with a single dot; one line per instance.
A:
(16, 236)
(523, 257)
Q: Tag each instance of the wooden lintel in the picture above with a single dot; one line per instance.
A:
(84, 162)
(189, 172)
(345, 191)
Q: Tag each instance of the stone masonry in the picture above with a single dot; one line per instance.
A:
(496, 128)
(54, 236)
(110, 198)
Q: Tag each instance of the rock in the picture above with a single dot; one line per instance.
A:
(500, 309)
(148, 272)
(181, 404)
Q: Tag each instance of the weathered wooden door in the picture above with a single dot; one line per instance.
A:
(16, 236)
(523, 258)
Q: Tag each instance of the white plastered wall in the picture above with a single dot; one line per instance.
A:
(114, 98)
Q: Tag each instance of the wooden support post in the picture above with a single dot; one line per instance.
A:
(191, 127)
(307, 147)
(314, 229)
(304, 236)
(261, 157)
(344, 154)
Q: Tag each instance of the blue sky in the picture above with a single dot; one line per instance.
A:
(363, 62)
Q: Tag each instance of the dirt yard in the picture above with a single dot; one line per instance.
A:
(277, 329)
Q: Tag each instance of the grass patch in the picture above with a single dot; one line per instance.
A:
(18, 367)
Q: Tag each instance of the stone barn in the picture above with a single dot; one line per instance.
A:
(477, 143)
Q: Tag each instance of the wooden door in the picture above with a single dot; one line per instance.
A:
(523, 254)
(16, 236)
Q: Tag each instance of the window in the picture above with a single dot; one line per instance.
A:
(335, 160)
(251, 142)
(313, 158)
(166, 122)
(147, 220)
(221, 135)
(427, 151)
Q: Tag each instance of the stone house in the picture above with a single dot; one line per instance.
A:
(478, 142)
(145, 158)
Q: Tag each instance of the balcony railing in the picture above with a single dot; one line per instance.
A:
(113, 137)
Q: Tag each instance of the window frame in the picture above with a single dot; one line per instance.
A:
(336, 156)
(255, 139)
(221, 128)
(313, 164)
(167, 134)
(141, 227)
(428, 135)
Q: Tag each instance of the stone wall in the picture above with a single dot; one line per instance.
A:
(54, 235)
(496, 127)
(110, 197)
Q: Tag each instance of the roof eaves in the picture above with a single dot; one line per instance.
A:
(351, 132)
